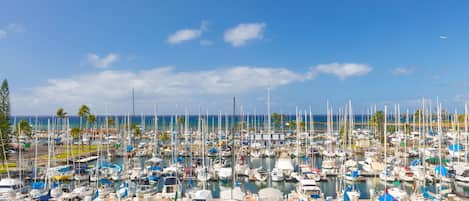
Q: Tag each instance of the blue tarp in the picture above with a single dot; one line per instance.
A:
(180, 159)
(153, 178)
(154, 168)
(37, 185)
(432, 133)
(355, 173)
(105, 181)
(130, 148)
(64, 169)
(44, 198)
(416, 162)
(347, 189)
(441, 169)
(455, 147)
(95, 195)
(105, 164)
(213, 150)
(427, 195)
(386, 197)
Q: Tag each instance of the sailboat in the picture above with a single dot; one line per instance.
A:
(328, 163)
(277, 175)
(307, 189)
(268, 150)
(235, 192)
(203, 172)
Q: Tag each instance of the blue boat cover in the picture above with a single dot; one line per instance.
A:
(386, 197)
(455, 147)
(105, 181)
(441, 170)
(154, 168)
(416, 162)
(213, 150)
(130, 148)
(37, 185)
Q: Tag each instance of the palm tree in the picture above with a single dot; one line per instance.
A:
(136, 130)
(83, 112)
(111, 122)
(276, 119)
(377, 121)
(75, 132)
(23, 128)
(92, 121)
(61, 115)
(291, 124)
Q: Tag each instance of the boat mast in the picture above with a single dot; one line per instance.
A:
(385, 142)
(233, 148)
(269, 131)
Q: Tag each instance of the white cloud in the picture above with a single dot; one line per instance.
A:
(184, 35)
(462, 98)
(443, 37)
(11, 28)
(15, 28)
(241, 34)
(3, 34)
(187, 34)
(402, 71)
(206, 42)
(101, 62)
(343, 70)
(162, 85)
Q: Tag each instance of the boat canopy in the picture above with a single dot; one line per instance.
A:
(154, 168)
(386, 197)
(130, 148)
(441, 170)
(64, 169)
(456, 147)
(105, 181)
(213, 150)
(416, 162)
(37, 185)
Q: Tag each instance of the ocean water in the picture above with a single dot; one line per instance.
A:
(164, 121)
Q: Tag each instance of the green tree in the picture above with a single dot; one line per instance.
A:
(136, 130)
(164, 137)
(377, 122)
(111, 122)
(276, 119)
(75, 132)
(23, 128)
(5, 99)
(83, 112)
(292, 125)
(61, 114)
(91, 119)
(417, 116)
(5, 118)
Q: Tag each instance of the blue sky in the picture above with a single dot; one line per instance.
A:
(191, 54)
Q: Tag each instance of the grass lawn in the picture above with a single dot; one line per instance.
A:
(3, 167)
(73, 151)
